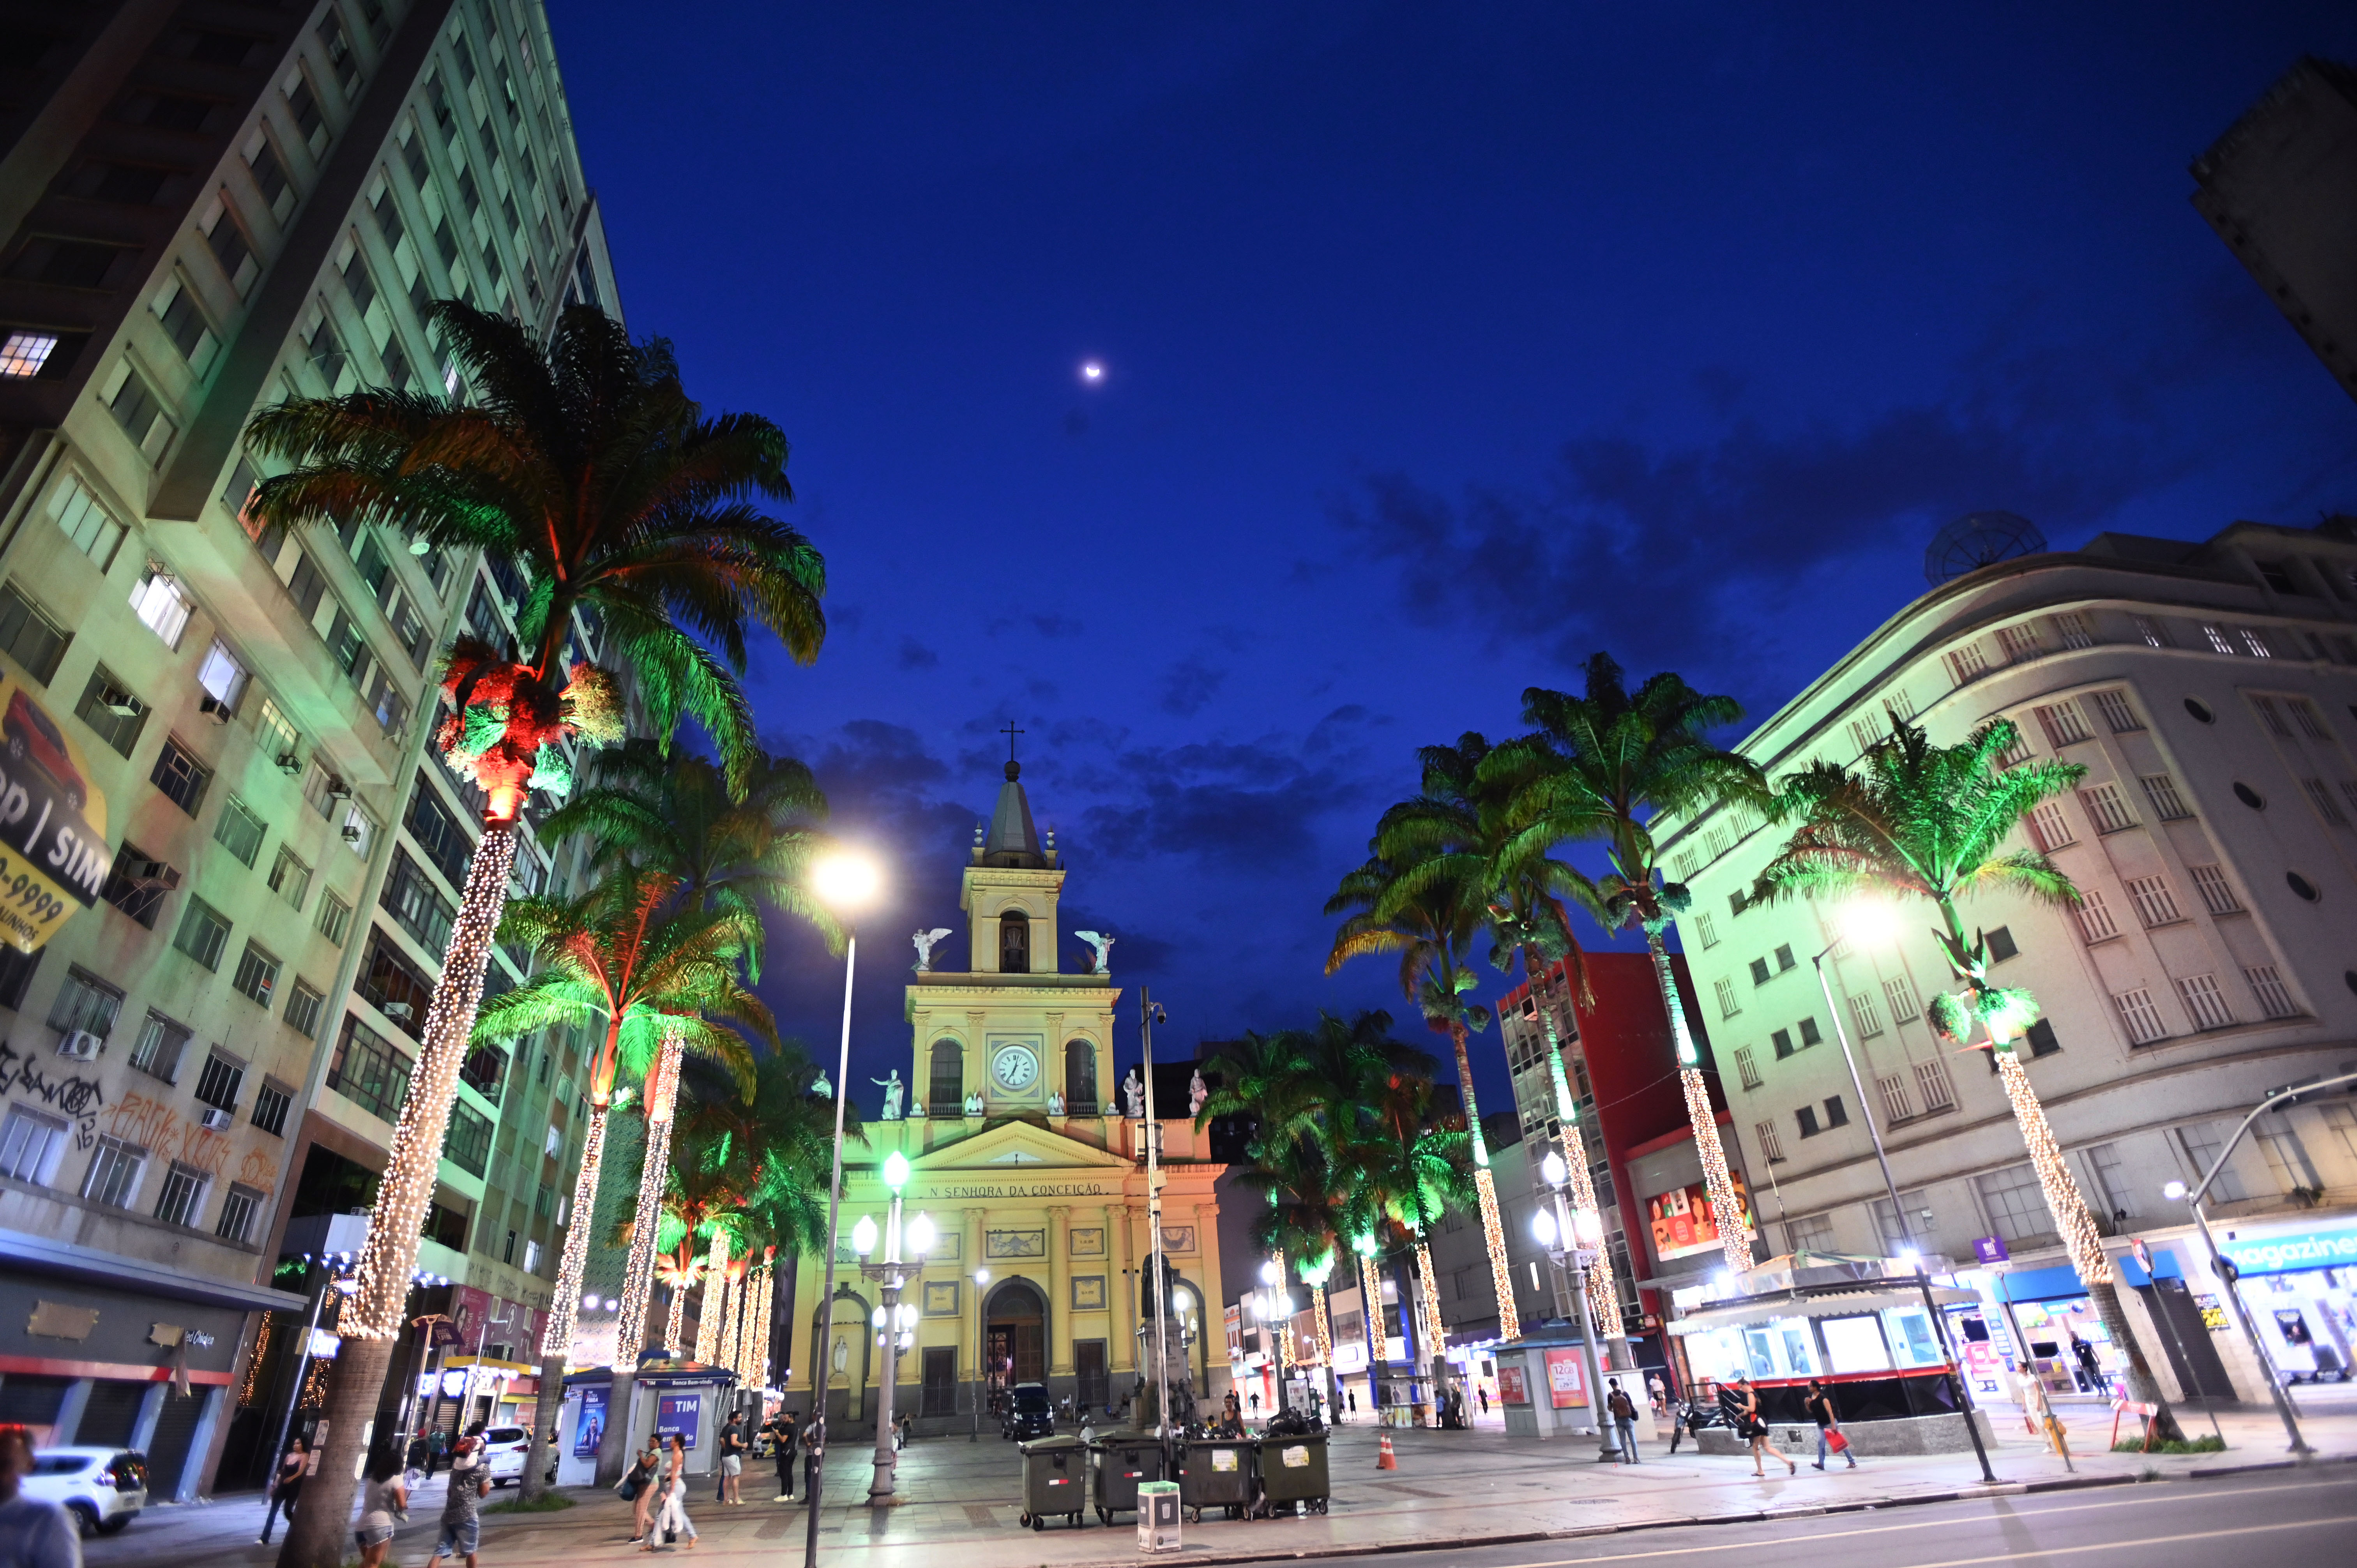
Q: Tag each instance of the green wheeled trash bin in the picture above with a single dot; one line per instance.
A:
(1293, 1471)
(1123, 1461)
(1219, 1473)
(1055, 1481)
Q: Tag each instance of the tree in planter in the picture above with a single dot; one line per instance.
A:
(1430, 914)
(1615, 762)
(625, 954)
(586, 467)
(1919, 820)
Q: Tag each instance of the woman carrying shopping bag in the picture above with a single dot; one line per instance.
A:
(1820, 1408)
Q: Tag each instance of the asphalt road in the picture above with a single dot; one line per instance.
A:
(2307, 1519)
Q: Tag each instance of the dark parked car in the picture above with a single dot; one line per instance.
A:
(1028, 1415)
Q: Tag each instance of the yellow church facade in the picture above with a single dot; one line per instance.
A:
(1029, 1159)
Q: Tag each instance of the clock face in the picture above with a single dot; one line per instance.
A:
(1015, 1067)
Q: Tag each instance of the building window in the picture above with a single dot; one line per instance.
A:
(239, 831)
(335, 918)
(1807, 1118)
(289, 877)
(31, 1144)
(2204, 1143)
(2017, 749)
(2049, 829)
(2320, 796)
(270, 1103)
(1897, 1104)
(1835, 1114)
(28, 635)
(223, 677)
(468, 1144)
(239, 1210)
(2156, 904)
(2217, 893)
(113, 1176)
(1013, 944)
(2001, 944)
(1784, 958)
(2150, 630)
(1867, 1017)
(181, 777)
(2288, 1157)
(2204, 1001)
(138, 884)
(1746, 1067)
(1081, 1078)
(2216, 639)
(85, 1003)
(160, 603)
(1900, 997)
(2039, 1039)
(87, 523)
(416, 905)
(2255, 644)
(1737, 901)
(532, 1257)
(394, 986)
(1965, 663)
(2063, 724)
(183, 1196)
(303, 1005)
(2112, 1180)
(23, 354)
(2018, 642)
(1809, 1034)
(2105, 808)
(1770, 1144)
(1708, 930)
(203, 932)
(1728, 1005)
(1759, 972)
(111, 711)
(368, 1070)
(1811, 1233)
(157, 1050)
(2161, 791)
(1931, 1081)
(2017, 1206)
(2095, 923)
(2070, 629)
(1780, 1042)
(257, 974)
(2274, 999)
(945, 1089)
(219, 1083)
(2119, 714)
(2140, 1017)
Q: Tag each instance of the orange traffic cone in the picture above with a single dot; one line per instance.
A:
(1386, 1459)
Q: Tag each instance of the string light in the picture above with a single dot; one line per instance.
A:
(2063, 1199)
(1325, 1330)
(707, 1318)
(1493, 1234)
(1603, 1294)
(557, 1343)
(1725, 1207)
(1285, 1329)
(414, 1158)
(247, 1390)
(638, 1271)
(1436, 1342)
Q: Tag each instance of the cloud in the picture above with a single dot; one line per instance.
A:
(1187, 686)
(1056, 626)
(915, 655)
(1254, 808)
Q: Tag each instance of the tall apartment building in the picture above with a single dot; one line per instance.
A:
(207, 206)
(2210, 689)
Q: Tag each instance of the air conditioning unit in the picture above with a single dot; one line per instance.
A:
(213, 708)
(351, 833)
(216, 1120)
(398, 1011)
(289, 764)
(120, 703)
(337, 788)
(81, 1044)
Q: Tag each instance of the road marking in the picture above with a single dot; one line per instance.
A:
(1890, 1528)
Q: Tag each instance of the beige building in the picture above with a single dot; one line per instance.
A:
(2210, 689)
(1025, 1159)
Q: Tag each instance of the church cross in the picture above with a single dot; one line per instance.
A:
(1010, 732)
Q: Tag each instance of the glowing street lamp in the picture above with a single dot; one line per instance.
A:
(895, 1323)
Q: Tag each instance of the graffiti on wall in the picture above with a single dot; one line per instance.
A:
(77, 1098)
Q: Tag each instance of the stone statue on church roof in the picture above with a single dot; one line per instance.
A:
(892, 1092)
(926, 941)
(1132, 1096)
(1102, 947)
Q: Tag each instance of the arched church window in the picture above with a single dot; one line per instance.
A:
(945, 1094)
(1014, 942)
(1081, 1078)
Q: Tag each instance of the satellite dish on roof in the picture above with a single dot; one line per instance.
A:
(1979, 539)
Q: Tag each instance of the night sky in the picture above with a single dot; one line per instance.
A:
(1442, 346)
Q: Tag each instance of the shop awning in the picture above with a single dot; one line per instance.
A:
(1816, 1303)
(41, 1255)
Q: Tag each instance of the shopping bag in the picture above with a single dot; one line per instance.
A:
(1835, 1441)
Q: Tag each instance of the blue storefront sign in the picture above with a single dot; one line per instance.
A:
(678, 1414)
(2333, 1249)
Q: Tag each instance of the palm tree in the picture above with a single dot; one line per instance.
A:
(1466, 817)
(613, 953)
(1430, 912)
(586, 467)
(1617, 761)
(1411, 1170)
(734, 853)
(1927, 822)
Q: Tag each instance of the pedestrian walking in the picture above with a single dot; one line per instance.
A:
(462, 1504)
(1754, 1427)
(732, 1463)
(1623, 1411)
(1485, 1399)
(2090, 1369)
(1658, 1395)
(286, 1486)
(1820, 1408)
(782, 1449)
(385, 1500)
(437, 1448)
(34, 1534)
(637, 1488)
(673, 1522)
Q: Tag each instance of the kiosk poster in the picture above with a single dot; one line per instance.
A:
(53, 853)
(678, 1414)
(1566, 1387)
(590, 1429)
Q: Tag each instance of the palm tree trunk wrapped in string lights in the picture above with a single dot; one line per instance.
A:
(715, 1293)
(638, 1271)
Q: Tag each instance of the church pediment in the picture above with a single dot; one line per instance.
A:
(1016, 1144)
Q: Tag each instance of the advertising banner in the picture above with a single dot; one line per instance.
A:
(1512, 1386)
(678, 1414)
(2333, 1249)
(53, 853)
(590, 1430)
(1682, 1221)
(1566, 1383)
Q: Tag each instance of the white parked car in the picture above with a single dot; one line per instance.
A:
(505, 1447)
(104, 1488)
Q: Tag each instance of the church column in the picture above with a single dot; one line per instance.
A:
(1059, 1291)
(970, 1331)
(1123, 1349)
(1215, 1334)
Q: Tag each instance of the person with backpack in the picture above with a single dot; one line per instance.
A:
(1622, 1410)
(639, 1488)
(1820, 1408)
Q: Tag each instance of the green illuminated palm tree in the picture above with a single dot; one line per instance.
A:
(1933, 822)
(1412, 1166)
(625, 956)
(1615, 762)
(586, 468)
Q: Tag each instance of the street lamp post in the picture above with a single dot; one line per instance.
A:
(981, 1353)
(892, 1274)
(845, 884)
(1573, 1255)
(1149, 1015)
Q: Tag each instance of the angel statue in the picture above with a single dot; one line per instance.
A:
(1055, 1103)
(1104, 948)
(1132, 1095)
(1197, 1093)
(926, 941)
(892, 1092)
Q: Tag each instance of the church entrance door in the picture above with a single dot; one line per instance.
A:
(1017, 1337)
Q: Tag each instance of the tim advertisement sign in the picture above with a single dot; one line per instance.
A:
(53, 853)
